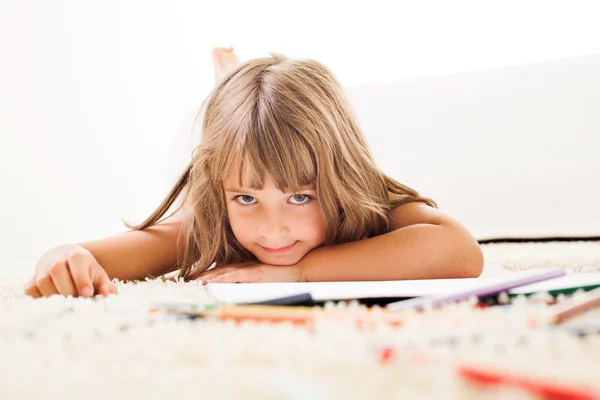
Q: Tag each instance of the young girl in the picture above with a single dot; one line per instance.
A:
(281, 188)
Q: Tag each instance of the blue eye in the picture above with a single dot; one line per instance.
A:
(246, 200)
(299, 199)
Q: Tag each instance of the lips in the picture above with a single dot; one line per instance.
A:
(279, 250)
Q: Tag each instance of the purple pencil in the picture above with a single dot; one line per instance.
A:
(420, 303)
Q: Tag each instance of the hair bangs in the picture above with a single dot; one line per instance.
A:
(272, 148)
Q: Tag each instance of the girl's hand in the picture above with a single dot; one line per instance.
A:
(252, 272)
(69, 270)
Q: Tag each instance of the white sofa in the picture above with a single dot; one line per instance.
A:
(511, 152)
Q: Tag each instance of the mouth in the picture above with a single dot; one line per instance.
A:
(279, 250)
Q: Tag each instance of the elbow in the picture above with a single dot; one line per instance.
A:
(474, 267)
(471, 261)
(468, 256)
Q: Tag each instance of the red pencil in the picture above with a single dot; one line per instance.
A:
(543, 389)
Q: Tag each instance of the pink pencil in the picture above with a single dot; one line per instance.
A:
(573, 307)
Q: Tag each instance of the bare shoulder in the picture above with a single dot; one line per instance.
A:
(457, 238)
(416, 212)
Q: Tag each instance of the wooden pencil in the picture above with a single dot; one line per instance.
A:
(291, 314)
(540, 388)
(574, 307)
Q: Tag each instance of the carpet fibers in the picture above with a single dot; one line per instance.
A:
(113, 348)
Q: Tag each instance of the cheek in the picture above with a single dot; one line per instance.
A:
(321, 229)
(240, 225)
(312, 227)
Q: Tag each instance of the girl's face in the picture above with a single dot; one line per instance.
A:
(278, 228)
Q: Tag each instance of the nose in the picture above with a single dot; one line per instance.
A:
(272, 226)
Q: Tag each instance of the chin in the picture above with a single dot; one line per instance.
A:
(283, 261)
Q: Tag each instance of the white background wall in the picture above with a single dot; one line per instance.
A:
(95, 97)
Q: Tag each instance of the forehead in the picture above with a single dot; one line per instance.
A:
(242, 179)
(236, 177)
(256, 175)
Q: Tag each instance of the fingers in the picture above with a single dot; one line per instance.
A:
(245, 270)
(32, 290)
(205, 277)
(74, 274)
(61, 278)
(227, 275)
(80, 266)
(253, 274)
(102, 283)
(208, 276)
(45, 284)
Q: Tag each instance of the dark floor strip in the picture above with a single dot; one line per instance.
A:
(541, 239)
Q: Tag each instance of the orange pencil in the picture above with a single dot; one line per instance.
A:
(294, 315)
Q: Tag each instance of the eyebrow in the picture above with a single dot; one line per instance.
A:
(238, 190)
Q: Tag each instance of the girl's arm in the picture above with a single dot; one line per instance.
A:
(137, 254)
(423, 244)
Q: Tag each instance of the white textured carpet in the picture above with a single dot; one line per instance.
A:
(573, 256)
(111, 348)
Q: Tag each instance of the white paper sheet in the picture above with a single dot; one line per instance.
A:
(568, 281)
(231, 293)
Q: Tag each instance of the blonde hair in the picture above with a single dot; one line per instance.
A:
(289, 120)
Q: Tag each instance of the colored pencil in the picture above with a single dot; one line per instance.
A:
(542, 389)
(573, 307)
(290, 314)
(421, 303)
(486, 377)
